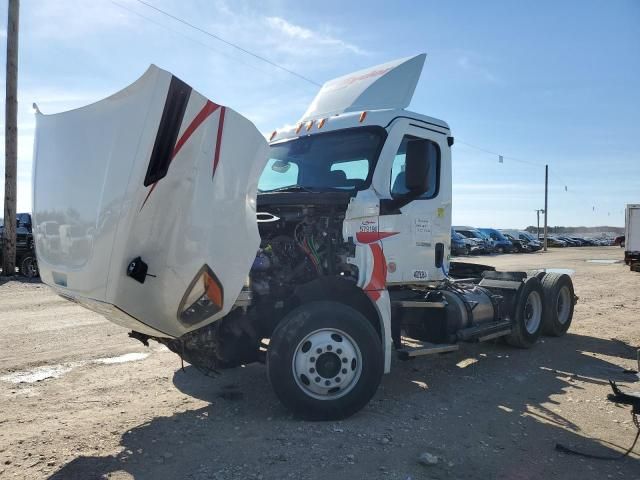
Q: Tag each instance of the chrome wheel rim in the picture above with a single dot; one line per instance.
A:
(563, 305)
(327, 364)
(533, 312)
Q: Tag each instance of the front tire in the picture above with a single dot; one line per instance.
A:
(559, 303)
(29, 267)
(325, 361)
(527, 318)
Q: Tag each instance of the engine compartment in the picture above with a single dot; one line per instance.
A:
(299, 243)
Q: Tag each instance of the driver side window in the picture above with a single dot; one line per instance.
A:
(398, 169)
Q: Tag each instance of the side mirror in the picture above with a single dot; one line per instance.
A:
(417, 167)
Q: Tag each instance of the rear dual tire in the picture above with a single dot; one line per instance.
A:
(528, 315)
(559, 302)
(542, 307)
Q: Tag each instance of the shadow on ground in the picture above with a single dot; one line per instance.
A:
(496, 418)
(19, 278)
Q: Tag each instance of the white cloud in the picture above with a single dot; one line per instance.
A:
(310, 38)
(473, 64)
(75, 19)
(270, 96)
(268, 33)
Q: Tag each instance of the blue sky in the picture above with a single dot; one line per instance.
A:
(539, 82)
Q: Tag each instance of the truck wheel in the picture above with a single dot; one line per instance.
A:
(527, 318)
(558, 300)
(29, 267)
(325, 361)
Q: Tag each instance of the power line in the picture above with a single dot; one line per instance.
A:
(291, 72)
(230, 57)
(589, 201)
(231, 44)
(527, 162)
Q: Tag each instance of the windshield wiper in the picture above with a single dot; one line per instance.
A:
(290, 188)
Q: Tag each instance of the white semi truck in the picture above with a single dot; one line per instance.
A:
(319, 252)
(632, 237)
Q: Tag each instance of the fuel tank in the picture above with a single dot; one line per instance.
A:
(468, 307)
(451, 310)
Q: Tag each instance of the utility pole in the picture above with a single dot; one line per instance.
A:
(546, 203)
(11, 142)
(538, 212)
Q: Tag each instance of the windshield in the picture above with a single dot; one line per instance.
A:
(494, 234)
(469, 234)
(483, 235)
(528, 236)
(341, 160)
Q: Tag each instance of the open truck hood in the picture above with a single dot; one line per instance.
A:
(158, 173)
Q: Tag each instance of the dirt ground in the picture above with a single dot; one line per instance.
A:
(79, 399)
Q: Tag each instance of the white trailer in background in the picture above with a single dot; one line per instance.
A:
(172, 216)
(632, 236)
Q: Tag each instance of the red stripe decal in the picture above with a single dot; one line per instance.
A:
(202, 115)
(153, 186)
(216, 157)
(379, 273)
(369, 237)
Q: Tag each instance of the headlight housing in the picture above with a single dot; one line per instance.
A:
(203, 298)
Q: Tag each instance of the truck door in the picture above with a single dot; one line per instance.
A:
(418, 233)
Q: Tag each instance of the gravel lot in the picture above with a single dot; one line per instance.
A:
(79, 399)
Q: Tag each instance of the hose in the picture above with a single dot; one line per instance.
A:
(570, 451)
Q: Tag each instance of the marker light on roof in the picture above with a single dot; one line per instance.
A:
(363, 115)
(322, 122)
(309, 125)
(299, 128)
(275, 132)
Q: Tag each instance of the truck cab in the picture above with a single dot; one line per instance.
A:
(319, 252)
(364, 157)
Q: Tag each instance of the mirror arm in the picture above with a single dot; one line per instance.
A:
(392, 206)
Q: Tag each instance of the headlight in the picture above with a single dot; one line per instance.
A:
(203, 298)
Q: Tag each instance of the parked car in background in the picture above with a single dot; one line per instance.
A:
(534, 242)
(487, 240)
(553, 241)
(571, 242)
(587, 242)
(25, 254)
(484, 243)
(501, 244)
(520, 246)
(459, 244)
(531, 241)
